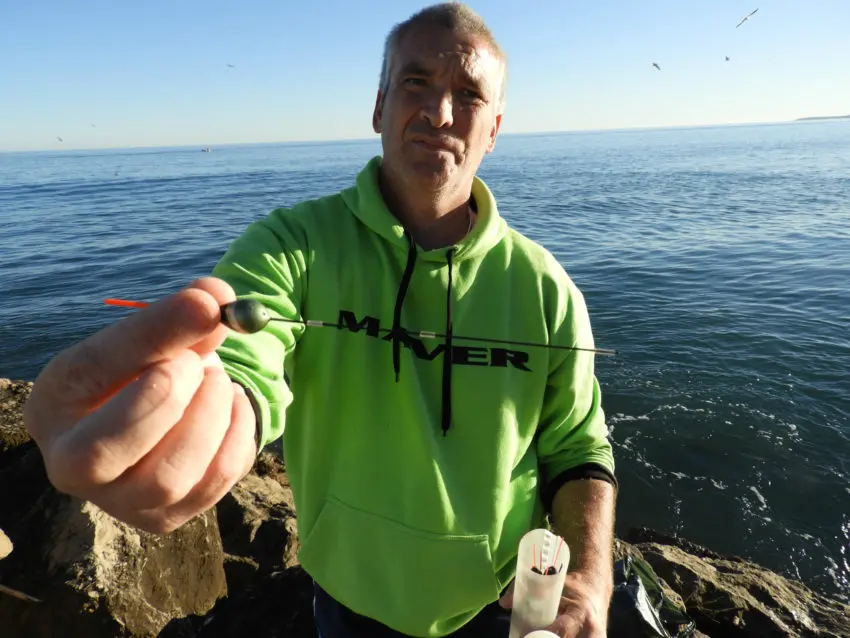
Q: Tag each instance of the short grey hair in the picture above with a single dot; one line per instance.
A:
(455, 16)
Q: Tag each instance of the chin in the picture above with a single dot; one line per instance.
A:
(436, 167)
(433, 177)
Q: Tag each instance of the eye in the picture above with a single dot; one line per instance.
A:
(414, 81)
(471, 94)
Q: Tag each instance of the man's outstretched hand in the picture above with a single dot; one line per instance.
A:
(141, 418)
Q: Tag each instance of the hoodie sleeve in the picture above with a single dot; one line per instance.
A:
(267, 263)
(572, 437)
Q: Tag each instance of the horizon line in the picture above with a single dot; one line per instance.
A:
(375, 138)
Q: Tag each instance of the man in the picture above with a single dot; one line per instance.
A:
(416, 464)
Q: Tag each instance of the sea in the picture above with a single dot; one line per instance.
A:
(715, 260)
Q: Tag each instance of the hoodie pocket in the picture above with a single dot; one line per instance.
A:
(416, 582)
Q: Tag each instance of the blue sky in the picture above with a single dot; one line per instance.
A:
(113, 74)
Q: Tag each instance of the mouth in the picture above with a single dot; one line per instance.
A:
(433, 144)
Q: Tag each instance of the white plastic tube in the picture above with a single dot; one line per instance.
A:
(537, 595)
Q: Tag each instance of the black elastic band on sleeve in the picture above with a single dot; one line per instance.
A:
(584, 471)
(258, 424)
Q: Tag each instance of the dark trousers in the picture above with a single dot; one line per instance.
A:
(333, 620)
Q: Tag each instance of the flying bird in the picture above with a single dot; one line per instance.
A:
(655, 64)
(231, 66)
(746, 18)
(727, 58)
(59, 138)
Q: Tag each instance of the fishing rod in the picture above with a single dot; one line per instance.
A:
(248, 316)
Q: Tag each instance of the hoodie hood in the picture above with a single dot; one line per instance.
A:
(367, 203)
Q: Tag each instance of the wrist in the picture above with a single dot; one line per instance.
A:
(596, 583)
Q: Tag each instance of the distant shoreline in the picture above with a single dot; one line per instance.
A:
(823, 117)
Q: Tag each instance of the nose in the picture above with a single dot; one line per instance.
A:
(437, 109)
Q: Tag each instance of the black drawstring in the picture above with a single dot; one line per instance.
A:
(398, 332)
(447, 353)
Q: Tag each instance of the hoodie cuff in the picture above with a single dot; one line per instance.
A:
(580, 472)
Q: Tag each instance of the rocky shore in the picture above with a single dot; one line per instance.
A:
(69, 569)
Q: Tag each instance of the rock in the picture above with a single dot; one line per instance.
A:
(738, 598)
(5, 545)
(640, 535)
(270, 595)
(279, 605)
(13, 395)
(257, 520)
(96, 576)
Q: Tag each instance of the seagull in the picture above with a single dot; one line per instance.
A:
(59, 138)
(727, 58)
(655, 64)
(746, 18)
(231, 66)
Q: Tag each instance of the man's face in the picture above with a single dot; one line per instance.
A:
(438, 117)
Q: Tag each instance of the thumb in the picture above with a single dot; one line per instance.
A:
(223, 294)
(507, 599)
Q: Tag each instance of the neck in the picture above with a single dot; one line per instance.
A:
(437, 220)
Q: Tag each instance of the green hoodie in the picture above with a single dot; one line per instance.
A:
(414, 474)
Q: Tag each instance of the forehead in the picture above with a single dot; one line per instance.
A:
(437, 48)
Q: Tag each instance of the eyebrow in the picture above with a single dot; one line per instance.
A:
(415, 67)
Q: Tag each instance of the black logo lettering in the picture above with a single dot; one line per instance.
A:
(461, 355)
(421, 350)
(470, 356)
(348, 319)
(499, 358)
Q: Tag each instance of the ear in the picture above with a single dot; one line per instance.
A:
(378, 113)
(494, 132)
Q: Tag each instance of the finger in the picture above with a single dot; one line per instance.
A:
(102, 445)
(234, 460)
(87, 374)
(566, 626)
(212, 360)
(223, 294)
(181, 458)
